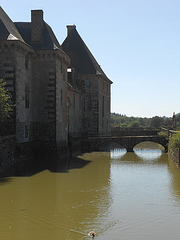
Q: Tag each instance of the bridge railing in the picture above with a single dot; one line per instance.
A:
(169, 132)
(118, 131)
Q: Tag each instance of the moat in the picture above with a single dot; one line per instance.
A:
(133, 196)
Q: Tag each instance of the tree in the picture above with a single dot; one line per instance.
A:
(5, 106)
(167, 122)
(133, 124)
(156, 122)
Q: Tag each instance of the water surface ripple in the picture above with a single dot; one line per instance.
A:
(133, 196)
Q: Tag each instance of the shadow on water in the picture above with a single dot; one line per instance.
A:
(39, 164)
(64, 164)
(4, 180)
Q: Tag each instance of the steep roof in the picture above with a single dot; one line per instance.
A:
(81, 57)
(49, 40)
(22, 31)
(8, 30)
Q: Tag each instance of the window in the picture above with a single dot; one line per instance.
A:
(26, 96)
(79, 102)
(103, 106)
(87, 83)
(26, 131)
(61, 97)
(27, 62)
(64, 74)
(70, 74)
(61, 67)
(87, 103)
(74, 100)
(94, 105)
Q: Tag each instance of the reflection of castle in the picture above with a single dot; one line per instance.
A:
(57, 90)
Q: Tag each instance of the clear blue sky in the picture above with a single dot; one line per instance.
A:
(136, 42)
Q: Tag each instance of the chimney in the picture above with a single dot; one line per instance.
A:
(37, 26)
(69, 28)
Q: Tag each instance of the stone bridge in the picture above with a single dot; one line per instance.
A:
(118, 131)
(128, 142)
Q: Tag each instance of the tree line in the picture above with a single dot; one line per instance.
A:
(120, 120)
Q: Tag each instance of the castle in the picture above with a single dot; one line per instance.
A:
(59, 91)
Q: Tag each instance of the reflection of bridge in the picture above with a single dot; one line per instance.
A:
(128, 142)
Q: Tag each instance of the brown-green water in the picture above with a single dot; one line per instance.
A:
(133, 196)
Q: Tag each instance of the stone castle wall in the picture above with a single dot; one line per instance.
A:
(12, 152)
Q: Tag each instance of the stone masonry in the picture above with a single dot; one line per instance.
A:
(58, 91)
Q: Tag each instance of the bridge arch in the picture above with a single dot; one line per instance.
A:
(145, 144)
(128, 142)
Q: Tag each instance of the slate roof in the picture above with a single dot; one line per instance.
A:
(8, 30)
(49, 41)
(22, 31)
(81, 57)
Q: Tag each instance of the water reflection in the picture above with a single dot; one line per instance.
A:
(55, 203)
(143, 202)
(144, 153)
(148, 151)
(175, 179)
(118, 194)
(117, 153)
(148, 154)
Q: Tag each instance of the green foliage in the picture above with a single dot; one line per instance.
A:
(164, 134)
(119, 120)
(178, 120)
(5, 106)
(134, 124)
(157, 122)
(174, 141)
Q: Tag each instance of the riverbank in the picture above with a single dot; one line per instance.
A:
(175, 155)
(174, 146)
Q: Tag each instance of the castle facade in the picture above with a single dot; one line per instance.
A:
(59, 91)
